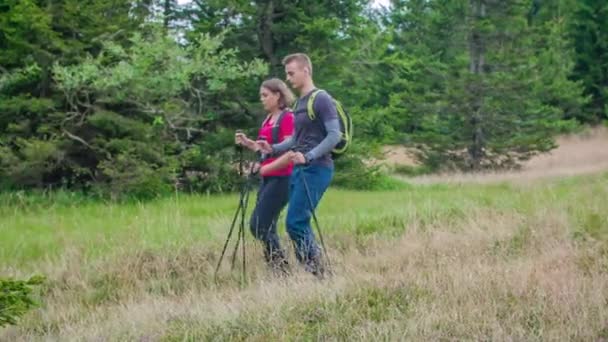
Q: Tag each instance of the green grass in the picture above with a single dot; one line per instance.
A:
(45, 228)
(41, 227)
(442, 261)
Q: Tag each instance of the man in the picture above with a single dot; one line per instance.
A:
(311, 144)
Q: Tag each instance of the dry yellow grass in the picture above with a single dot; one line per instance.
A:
(579, 154)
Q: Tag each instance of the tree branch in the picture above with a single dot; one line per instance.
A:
(77, 138)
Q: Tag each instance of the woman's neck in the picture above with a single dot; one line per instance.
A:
(274, 113)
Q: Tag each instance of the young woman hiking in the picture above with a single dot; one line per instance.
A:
(275, 170)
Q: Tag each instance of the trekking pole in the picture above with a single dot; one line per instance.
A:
(241, 205)
(244, 204)
(230, 232)
(236, 215)
(240, 212)
(314, 216)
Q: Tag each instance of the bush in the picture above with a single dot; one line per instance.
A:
(16, 298)
(411, 170)
(128, 177)
(353, 173)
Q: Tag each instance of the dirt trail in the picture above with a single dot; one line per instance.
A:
(575, 155)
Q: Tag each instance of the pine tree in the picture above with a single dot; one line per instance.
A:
(589, 32)
(34, 36)
(486, 102)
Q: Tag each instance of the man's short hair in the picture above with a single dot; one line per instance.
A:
(302, 59)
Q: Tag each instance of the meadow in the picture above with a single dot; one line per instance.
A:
(474, 261)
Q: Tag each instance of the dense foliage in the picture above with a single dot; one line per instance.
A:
(141, 97)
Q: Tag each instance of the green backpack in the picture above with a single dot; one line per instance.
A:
(346, 124)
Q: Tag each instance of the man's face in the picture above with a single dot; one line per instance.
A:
(296, 74)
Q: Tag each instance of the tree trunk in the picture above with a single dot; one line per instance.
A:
(265, 35)
(476, 52)
(167, 13)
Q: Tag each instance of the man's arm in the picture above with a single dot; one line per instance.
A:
(284, 145)
(328, 143)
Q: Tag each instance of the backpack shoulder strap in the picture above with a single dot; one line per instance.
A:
(310, 104)
(276, 127)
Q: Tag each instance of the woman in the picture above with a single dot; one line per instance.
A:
(275, 170)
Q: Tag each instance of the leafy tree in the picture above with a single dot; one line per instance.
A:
(138, 117)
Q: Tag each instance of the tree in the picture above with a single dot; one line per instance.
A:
(589, 31)
(34, 35)
(487, 104)
(271, 29)
(140, 118)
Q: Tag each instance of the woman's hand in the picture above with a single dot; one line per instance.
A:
(241, 139)
(264, 146)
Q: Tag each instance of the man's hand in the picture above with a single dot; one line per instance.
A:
(264, 146)
(298, 158)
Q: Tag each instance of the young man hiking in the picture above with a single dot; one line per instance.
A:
(312, 143)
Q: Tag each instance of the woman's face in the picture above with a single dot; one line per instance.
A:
(269, 99)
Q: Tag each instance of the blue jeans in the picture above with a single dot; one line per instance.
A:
(299, 211)
(272, 198)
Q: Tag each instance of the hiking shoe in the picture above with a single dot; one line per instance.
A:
(278, 264)
(316, 266)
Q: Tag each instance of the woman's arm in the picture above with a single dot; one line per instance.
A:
(279, 163)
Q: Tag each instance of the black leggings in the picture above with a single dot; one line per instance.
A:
(272, 198)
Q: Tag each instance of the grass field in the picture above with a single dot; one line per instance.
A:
(515, 261)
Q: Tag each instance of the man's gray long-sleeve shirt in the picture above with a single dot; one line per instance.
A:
(314, 138)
